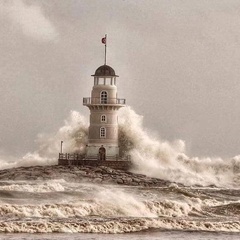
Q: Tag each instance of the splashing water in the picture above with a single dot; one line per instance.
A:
(70, 207)
(161, 159)
(150, 156)
(73, 133)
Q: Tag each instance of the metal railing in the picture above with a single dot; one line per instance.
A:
(120, 101)
(70, 156)
(77, 156)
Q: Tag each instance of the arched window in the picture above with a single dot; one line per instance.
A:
(103, 97)
(102, 132)
(103, 118)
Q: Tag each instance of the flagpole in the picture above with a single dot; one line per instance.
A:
(105, 49)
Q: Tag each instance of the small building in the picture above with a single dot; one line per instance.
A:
(102, 148)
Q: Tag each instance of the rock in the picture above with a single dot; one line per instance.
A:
(97, 180)
(127, 180)
(106, 169)
(136, 180)
(80, 172)
(100, 174)
(120, 181)
(98, 170)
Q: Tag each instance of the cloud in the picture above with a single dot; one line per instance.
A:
(30, 18)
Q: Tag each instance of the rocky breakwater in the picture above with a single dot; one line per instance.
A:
(98, 175)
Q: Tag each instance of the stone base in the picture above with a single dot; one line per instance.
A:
(120, 164)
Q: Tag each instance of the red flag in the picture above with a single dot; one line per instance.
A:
(104, 40)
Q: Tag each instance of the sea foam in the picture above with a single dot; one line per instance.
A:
(150, 155)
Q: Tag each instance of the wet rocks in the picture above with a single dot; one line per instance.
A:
(98, 175)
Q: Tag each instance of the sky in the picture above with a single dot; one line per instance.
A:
(178, 62)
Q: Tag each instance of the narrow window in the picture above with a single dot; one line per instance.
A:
(103, 118)
(103, 97)
(102, 132)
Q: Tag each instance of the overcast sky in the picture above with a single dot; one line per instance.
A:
(178, 62)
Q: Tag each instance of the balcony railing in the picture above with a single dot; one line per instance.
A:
(77, 156)
(70, 156)
(88, 101)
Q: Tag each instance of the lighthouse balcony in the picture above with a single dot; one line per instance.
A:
(101, 101)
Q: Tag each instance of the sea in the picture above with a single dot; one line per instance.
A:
(58, 209)
(202, 200)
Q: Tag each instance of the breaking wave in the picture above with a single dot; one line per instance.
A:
(59, 206)
(40, 187)
(169, 161)
(115, 225)
(151, 156)
(114, 210)
(90, 200)
(137, 209)
(74, 134)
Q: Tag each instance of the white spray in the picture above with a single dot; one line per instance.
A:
(151, 156)
(73, 134)
(169, 161)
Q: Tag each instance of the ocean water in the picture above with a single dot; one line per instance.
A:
(58, 209)
(203, 201)
(170, 235)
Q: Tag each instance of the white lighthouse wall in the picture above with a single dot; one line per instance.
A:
(110, 140)
(110, 89)
(96, 115)
(111, 126)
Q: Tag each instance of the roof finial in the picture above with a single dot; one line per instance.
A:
(104, 41)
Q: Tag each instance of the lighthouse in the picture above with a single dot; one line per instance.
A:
(103, 105)
(102, 148)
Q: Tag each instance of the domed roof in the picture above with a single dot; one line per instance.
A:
(105, 70)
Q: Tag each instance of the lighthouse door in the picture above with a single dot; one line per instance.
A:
(102, 153)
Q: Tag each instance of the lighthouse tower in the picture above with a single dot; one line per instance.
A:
(103, 105)
(102, 148)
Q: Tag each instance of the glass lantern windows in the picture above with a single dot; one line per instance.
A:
(104, 80)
